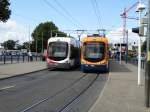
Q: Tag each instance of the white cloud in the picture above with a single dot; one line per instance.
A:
(13, 30)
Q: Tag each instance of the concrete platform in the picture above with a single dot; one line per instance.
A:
(11, 70)
(121, 92)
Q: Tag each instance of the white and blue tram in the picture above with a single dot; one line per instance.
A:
(63, 52)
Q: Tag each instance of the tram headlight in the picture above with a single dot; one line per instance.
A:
(82, 62)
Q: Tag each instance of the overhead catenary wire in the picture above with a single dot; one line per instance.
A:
(59, 12)
(68, 13)
(97, 12)
(93, 5)
(80, 32)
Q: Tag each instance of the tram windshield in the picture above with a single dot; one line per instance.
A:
(94, 51)
(58, 50)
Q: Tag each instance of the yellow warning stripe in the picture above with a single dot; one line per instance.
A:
(148, 56)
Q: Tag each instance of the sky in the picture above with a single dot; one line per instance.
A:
(68, 15)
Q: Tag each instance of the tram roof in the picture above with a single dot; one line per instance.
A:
(94, 38)
(71, 40)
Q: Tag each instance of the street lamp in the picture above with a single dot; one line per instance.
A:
(139, 9)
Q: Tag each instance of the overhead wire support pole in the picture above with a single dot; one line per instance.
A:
(125, 37)
(36, 37)
(124, 25)
(124, 31)
(42, 43)
(126, 46)
(147, 73)
(140, 7)
(29, 38)
(120, 50)
(139, 51)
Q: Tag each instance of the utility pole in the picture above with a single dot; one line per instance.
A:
(124, 25)
(120, 50)
(140, 8)
(126, 46)
(29, 39)
(139, 50)
(147, 73)
(42, 42)
(36, 36)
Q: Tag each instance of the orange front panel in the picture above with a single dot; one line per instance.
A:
(95, 39)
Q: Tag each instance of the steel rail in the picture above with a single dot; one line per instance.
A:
(51, 97)
(76, 97)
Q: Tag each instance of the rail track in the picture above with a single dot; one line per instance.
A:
(64, 106)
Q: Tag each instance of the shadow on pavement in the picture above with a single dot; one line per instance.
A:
(66, 70)
(116, 67)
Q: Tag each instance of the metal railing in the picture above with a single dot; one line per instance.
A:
(10, 59)
(135, 62)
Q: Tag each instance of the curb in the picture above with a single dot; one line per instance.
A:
(19, 75)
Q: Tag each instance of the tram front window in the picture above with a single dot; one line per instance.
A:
(94, 51)
(58, 50)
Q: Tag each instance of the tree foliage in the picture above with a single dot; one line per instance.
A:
(5, 12)
(43, 32)
(25, 45)
(10, 44)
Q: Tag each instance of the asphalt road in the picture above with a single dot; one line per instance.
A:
(51, 91)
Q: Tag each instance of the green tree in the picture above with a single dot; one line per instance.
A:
(18, 46)
(25, 45)
(5, 12)
(10, 44)
(43, 32)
